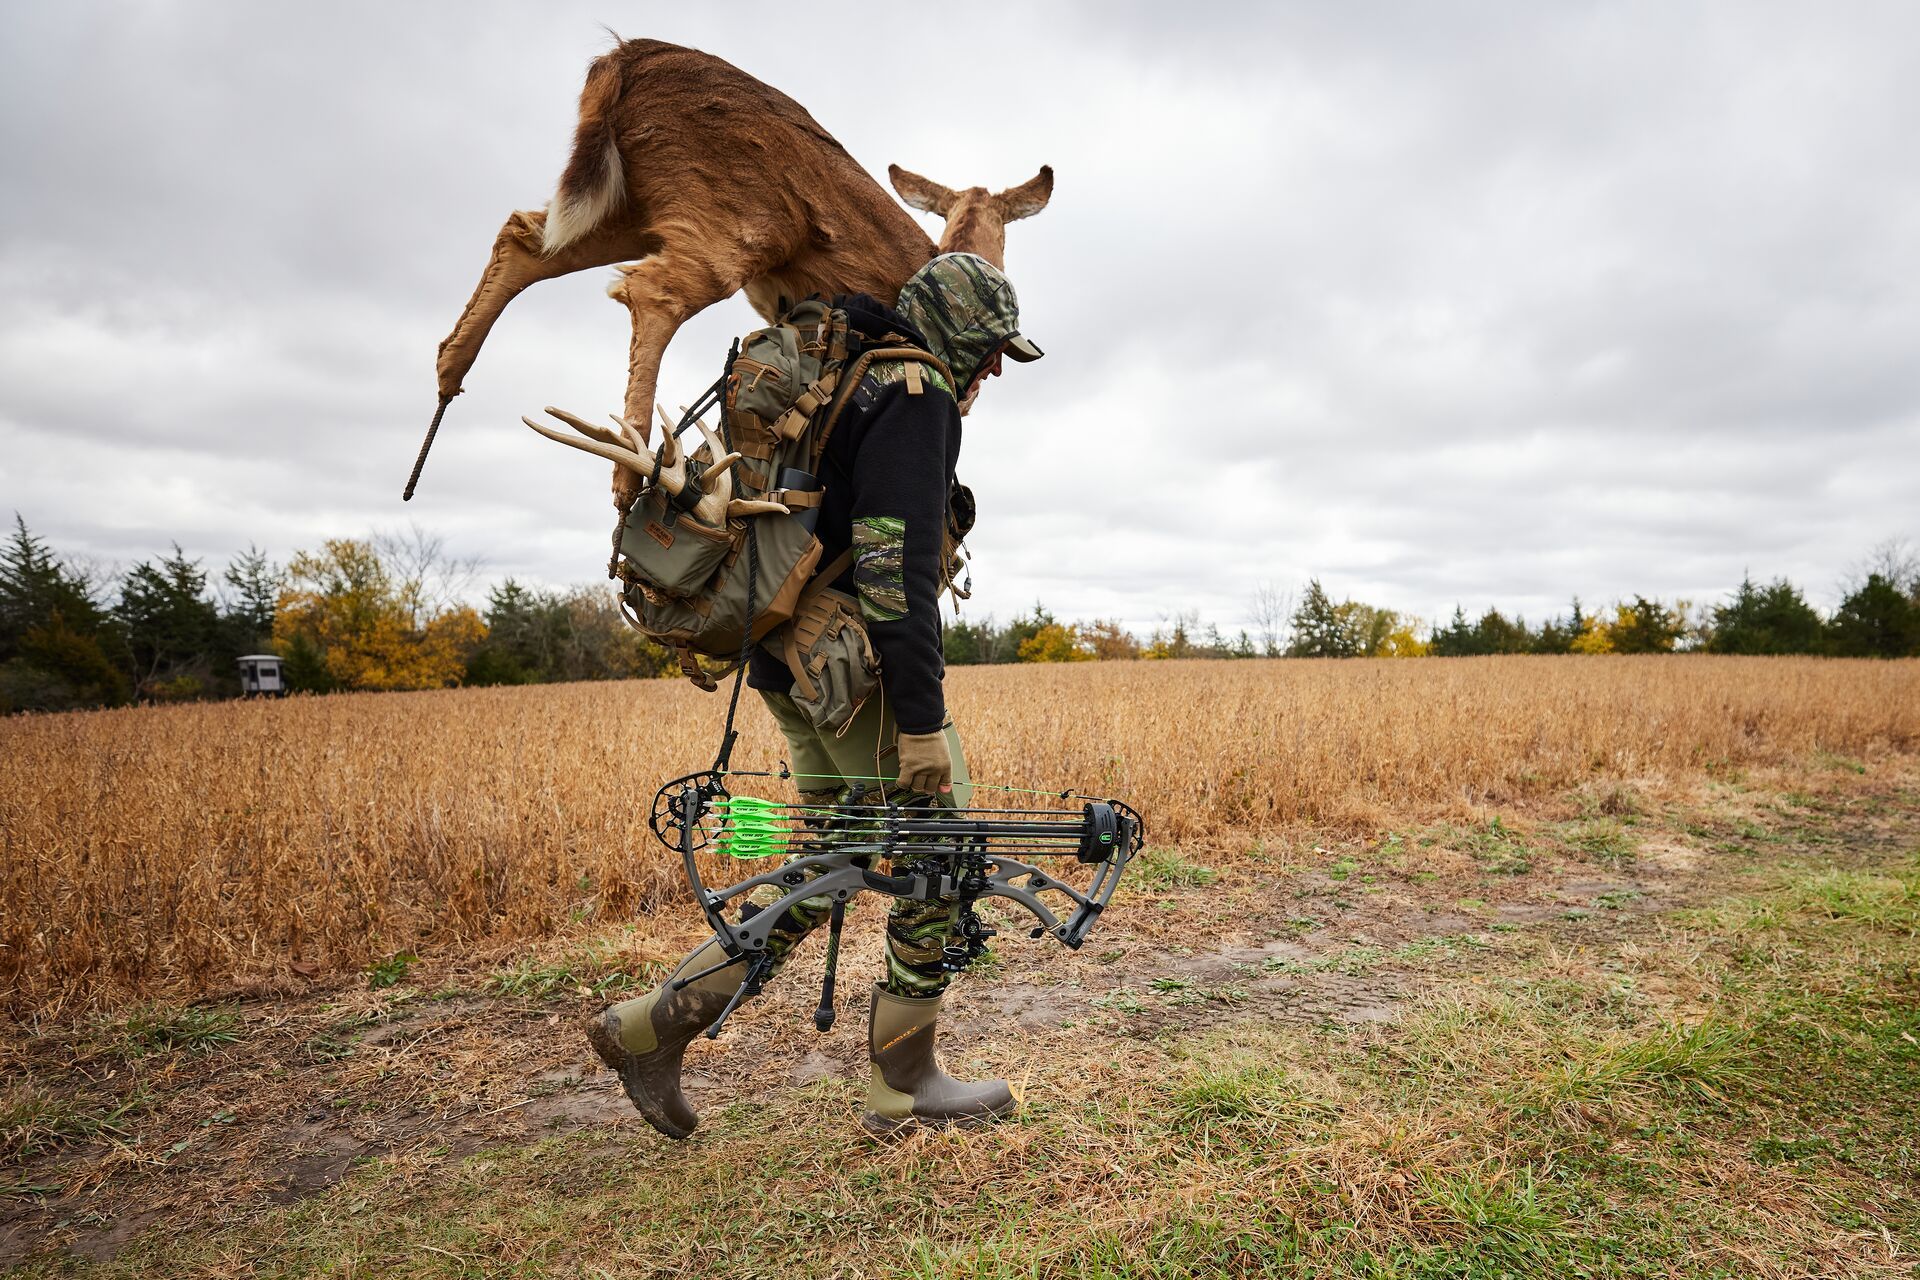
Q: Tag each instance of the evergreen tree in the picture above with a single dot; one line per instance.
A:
(1496, 633)
(255, 583)
(1770, 619)
(34, 585)
(55, 639)
(172, 628)
(1877, 620)
(968, 643)
(1556, 636)
(526, 629)
(1323, 629)
(1457, 639)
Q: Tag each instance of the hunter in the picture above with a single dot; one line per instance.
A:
(892, 500)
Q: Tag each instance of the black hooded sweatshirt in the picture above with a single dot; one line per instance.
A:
(892, 454)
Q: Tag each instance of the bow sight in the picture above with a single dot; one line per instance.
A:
(921, 852)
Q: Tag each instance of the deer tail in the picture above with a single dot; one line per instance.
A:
(595, 182)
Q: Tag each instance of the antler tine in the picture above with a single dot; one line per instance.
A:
(699, 422)
(612, 453)
(635, 432)
(589, 430)
(721, 489)
(713, 472)
(670, 450)
(754, 507)
(671, 478)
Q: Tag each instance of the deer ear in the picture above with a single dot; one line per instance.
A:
(919, 192)
(1029, 198)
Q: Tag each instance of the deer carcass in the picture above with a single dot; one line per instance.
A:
(702, 181)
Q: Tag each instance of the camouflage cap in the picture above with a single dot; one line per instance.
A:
(966, 310)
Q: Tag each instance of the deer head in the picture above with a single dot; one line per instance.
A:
(976, 218)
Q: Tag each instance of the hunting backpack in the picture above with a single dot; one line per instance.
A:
(715, 591)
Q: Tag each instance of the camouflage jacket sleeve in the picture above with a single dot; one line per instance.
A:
(901, 476)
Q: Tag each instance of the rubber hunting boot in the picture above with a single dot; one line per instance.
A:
(645, 1039)
(907, 1086)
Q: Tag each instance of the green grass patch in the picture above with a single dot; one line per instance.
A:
(1605, 840)
(1498, 848)
(1879, 900)
(594, 972)
(1160, 868)
(35, 1120)
(162, 1029)
(1705, 1059)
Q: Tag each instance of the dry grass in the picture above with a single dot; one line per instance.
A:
(1472, 1049)
(165, 851)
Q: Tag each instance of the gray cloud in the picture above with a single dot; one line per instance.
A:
(1494, 306)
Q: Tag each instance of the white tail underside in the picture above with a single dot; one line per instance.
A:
(570, 218)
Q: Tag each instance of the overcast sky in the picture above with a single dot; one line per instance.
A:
(1481, 303)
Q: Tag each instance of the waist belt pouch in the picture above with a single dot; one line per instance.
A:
(677, 556)
(835, 669)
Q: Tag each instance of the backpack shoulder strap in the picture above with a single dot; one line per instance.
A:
(850, 378)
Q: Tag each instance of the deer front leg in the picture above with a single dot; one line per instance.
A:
(661, 293)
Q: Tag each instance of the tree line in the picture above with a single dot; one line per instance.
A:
(382, 612)
(1878, 617)
(390, 611)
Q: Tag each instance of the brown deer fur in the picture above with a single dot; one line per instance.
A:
(704, 181)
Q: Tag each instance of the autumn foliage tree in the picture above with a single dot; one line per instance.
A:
(1054, 643)
(347, 621)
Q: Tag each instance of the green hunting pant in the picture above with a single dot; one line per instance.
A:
(825, 769)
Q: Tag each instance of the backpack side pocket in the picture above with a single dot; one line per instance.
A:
(835, 669)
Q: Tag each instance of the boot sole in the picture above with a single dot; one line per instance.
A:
(885, 1127)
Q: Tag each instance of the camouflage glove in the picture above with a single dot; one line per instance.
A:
(926, 765)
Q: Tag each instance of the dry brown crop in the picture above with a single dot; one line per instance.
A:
(169, 850)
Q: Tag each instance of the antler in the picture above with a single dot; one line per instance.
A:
(624, 449)
(720, 482)
(668, 465)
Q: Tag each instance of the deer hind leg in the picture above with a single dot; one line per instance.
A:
(518, 261)
(661, 293)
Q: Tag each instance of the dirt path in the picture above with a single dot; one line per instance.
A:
(302, 1086)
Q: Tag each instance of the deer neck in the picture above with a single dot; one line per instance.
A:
(975, 226)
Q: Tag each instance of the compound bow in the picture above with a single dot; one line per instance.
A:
(834, 852)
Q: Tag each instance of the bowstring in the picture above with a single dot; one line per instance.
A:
(1067, 794)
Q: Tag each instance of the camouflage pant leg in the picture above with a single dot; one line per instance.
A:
(916, 932)
(803, 917)
(866, 751)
